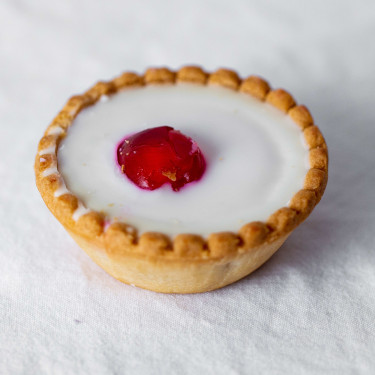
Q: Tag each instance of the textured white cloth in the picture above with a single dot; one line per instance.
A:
(309, 310)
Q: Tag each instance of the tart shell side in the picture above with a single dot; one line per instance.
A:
(174, 275)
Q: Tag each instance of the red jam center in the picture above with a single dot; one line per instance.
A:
(160, 155)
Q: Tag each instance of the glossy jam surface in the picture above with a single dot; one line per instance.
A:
(158, 156)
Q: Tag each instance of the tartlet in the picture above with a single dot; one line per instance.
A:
(180, 263)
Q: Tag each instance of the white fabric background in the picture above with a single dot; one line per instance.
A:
(309, 310)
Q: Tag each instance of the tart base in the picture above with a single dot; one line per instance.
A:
(179, 275)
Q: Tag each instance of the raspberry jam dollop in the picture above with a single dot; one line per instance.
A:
(156, 156)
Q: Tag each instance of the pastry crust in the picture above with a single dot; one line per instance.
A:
(187, 263)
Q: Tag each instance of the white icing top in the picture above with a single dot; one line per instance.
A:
(256, 158)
